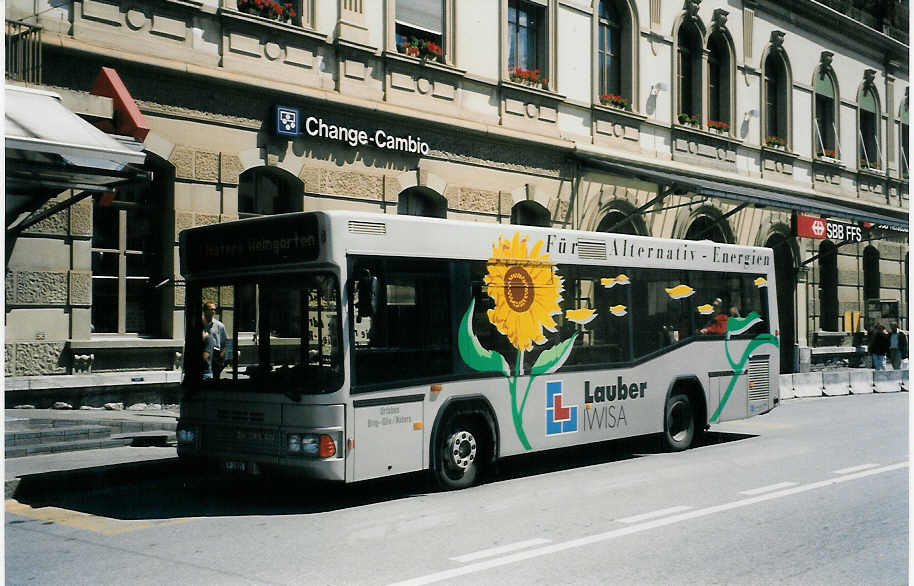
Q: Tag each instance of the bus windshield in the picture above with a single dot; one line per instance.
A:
(265, 334)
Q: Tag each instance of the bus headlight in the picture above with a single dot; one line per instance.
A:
(186, 435)
(311, 444)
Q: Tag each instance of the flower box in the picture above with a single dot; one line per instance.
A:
(873, 165)
(421, 48)
(775, 142)
(828, 154)
(268, 9)
(615, 101)
(688, 120)
(529, 77)
(718, 126)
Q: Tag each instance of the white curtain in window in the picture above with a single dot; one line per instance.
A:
(427, 15)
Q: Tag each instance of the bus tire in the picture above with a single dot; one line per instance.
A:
(678, 422)
(461, 447)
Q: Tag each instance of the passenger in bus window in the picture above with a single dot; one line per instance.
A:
(734, 311)
(718, 325)
(216, 331)
(207, 357)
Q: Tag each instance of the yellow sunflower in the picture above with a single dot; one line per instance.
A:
(526, 290)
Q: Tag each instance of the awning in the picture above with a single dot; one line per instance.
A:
(49, 149)
(755, 194)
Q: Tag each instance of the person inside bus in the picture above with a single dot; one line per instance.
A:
(734, 311)
(207, 356)
(717, 325)
(216, 331)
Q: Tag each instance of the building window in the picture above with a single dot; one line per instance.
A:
(633, 225)
(128, 262)
(689, 70)
(826, 129)
(530, 213)
(904, 139)
(707, 228)
(868, 131)
(610, 49)
(527, 36)
(718, 78)
(419, 28)
(777, 90)
(421, 201)
(828, 286)
(264, 191)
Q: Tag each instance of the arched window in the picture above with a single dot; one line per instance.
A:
(718, 78)
(828, 286)
(868, 130)
(689, 69)
(777, 94)
(421, 201)
(614, 216)
(267, 190)
(530, 213)
(871, 280)
(706, 228)
(825, 114)
(610, 48)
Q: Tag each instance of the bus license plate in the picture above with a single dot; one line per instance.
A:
(235, 466)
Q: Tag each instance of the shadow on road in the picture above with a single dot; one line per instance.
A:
(164, 489)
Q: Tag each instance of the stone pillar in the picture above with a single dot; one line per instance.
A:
(351, 25)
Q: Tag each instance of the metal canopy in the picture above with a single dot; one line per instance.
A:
(760, 195)
(49, 149)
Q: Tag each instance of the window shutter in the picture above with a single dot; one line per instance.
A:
(427, 15)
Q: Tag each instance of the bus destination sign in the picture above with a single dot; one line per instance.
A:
(248, 244)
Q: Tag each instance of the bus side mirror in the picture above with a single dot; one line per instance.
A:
(369, 290)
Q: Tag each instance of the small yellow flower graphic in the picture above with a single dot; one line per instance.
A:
(526, 290)
(760, 282)
(581, 316)
(706, 309)
(618, 310)
(680, 291)
(610, 282)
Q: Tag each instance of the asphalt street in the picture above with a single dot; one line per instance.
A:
(815, 492)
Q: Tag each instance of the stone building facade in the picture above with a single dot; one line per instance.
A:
(584, 114)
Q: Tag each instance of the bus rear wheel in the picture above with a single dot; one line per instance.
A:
(461, 448)
(679, 422)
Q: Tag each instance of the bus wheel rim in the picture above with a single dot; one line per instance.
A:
(679, 421)
(461, 449)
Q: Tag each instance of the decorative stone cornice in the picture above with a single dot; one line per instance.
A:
(691, 9)
(777, 41)
(869, 81)
(719, 19)
(825, 59)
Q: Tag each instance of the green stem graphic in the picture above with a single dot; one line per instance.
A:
(518, 414)
(759, 340)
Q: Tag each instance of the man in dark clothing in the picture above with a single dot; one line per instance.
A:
(879, 346)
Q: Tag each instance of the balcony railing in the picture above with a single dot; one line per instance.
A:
(887, 16)
(23, 52)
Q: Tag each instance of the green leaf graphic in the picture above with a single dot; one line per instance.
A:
(551, 359)
(472, 352)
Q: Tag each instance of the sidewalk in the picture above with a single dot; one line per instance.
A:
(59, 464)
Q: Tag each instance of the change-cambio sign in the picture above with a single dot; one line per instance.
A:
(822, 228)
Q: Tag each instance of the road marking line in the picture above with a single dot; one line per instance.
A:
(769, 488)
(592, 539)
(493, 551)
(85, 521)
(654, 514)
(854, 469)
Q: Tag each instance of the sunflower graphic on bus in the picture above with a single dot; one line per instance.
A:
(527, 291)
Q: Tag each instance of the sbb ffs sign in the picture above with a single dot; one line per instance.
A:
(822, 228)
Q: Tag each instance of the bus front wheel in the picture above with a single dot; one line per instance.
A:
(679, 422)
(460, 452)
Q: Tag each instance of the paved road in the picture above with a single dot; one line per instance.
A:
(815, 492)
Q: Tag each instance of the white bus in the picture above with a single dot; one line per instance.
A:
(365, 345)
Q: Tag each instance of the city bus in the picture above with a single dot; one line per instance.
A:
(361, 345)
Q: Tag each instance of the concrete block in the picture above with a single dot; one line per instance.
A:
(786, 387)
(835, 383)
(887, 381)
(807, 384)
(860, 381)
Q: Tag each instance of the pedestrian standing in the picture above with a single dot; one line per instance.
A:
(896, 350)
(879, 346)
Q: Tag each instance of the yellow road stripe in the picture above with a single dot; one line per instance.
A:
(85, 521)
